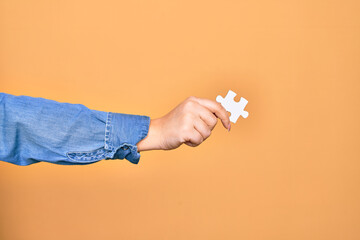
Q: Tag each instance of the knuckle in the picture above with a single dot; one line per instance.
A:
(221, 108)
(191, 98)
(213, 121)
(206, 136)
(185, 129)
(208, 133)
(196, 139)
(190, 104)
(199, 141)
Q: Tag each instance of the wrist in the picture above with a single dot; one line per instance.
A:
(152, 140)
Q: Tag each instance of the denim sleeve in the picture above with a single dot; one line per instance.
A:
(41, 130)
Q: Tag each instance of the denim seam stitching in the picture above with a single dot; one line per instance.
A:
(108, 132)
(80, 158)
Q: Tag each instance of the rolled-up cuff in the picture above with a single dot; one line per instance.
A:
(123, 132)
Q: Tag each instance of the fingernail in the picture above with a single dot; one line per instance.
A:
(229, 127)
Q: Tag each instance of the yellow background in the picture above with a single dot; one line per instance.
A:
(289, 171)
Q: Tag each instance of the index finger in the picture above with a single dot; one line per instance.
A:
(217, 109)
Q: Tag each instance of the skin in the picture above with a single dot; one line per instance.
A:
(190, 123)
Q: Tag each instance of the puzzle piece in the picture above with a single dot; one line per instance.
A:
(235, 108)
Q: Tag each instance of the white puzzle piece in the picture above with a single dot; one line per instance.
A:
(235, 108)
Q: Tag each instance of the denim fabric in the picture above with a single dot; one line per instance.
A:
(41, 130)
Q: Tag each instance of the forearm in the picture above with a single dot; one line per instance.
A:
(38, 129)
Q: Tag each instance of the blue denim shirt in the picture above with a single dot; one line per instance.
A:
(41, 130)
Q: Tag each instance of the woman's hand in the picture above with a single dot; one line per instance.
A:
(191, 122)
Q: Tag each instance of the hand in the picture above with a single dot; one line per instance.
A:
(191, 122)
